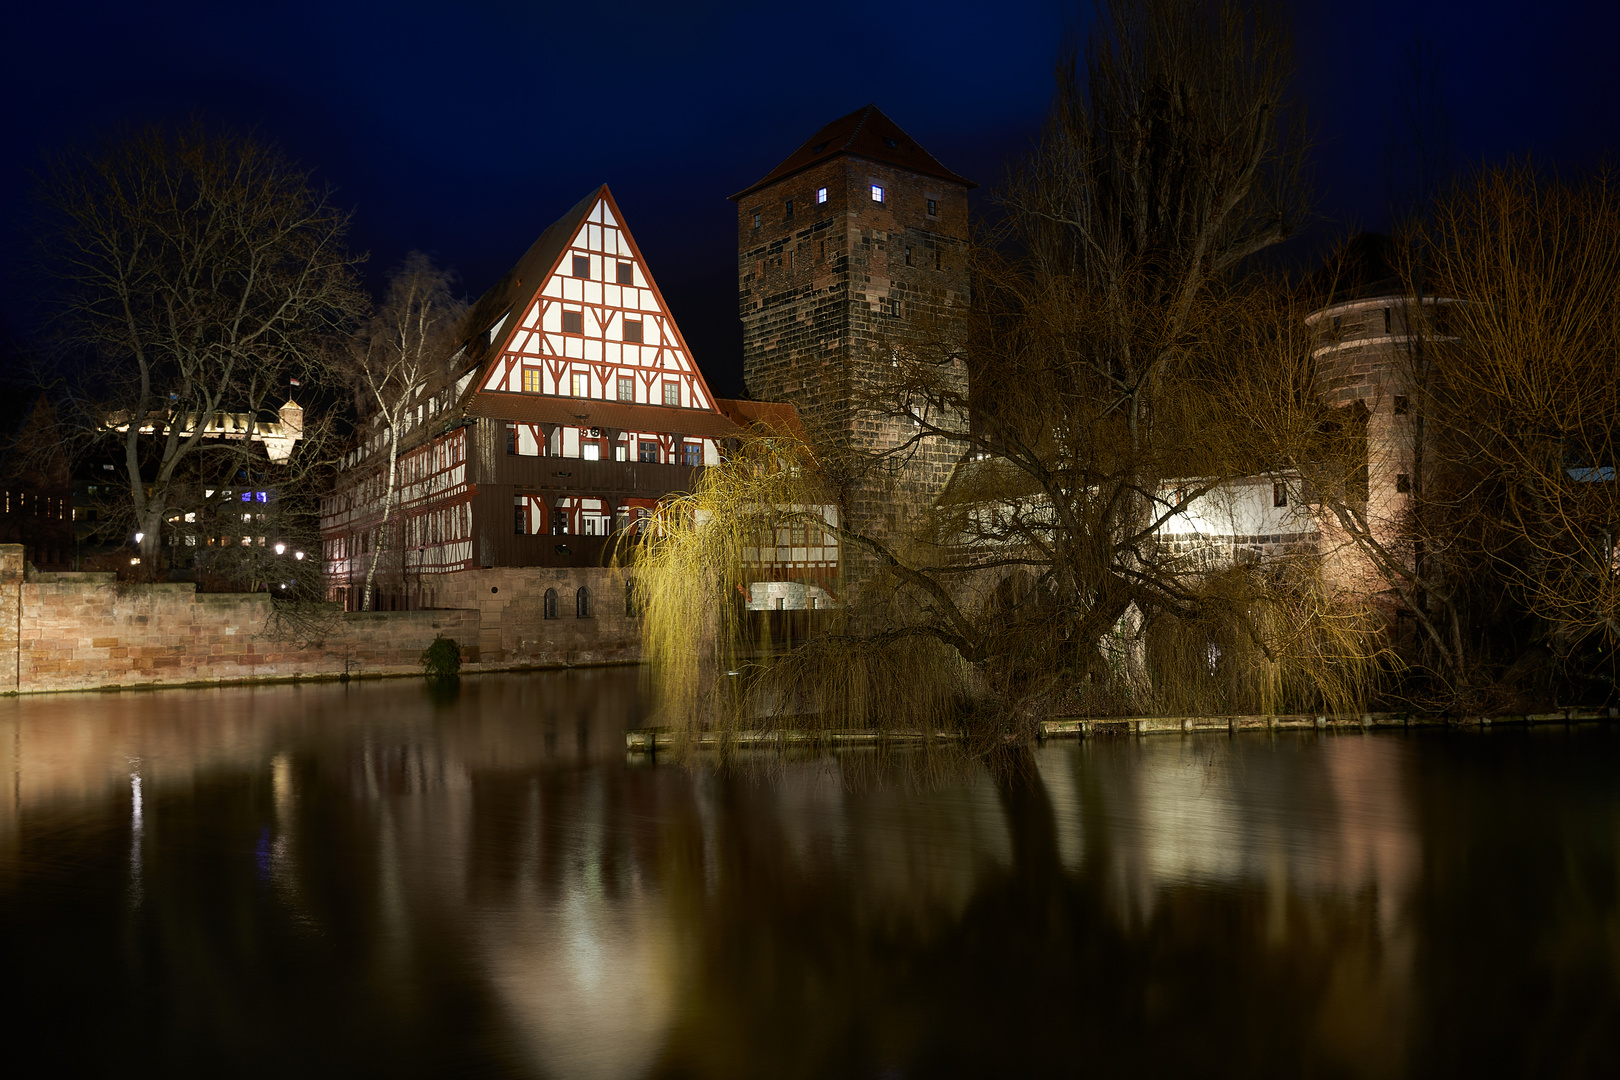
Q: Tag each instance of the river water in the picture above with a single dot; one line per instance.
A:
(381, 879)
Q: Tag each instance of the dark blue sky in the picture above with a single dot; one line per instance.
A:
(464, 130)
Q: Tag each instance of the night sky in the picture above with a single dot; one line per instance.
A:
(464, 130)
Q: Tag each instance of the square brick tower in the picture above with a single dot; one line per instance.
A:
(850, 248)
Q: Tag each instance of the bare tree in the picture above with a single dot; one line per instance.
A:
(404, 351)
(1111, 319)
(198, 273)
(1527, 407)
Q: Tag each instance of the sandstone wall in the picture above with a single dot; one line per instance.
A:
(88, 631)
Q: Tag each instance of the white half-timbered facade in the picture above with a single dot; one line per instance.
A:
(572, 408)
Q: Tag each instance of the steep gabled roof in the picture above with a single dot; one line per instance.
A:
(865, 133)
(504, 327)
(517, 289)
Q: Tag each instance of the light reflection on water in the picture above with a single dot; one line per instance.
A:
(379, 878)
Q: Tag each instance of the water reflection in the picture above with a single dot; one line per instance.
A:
(392, 878)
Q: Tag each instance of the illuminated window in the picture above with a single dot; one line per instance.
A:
(632, 330)
(672, 393)
(691, 453)
(582, 266)
(591, 451)
(627, 388)
(627, 273)
(877, 193)
(531, 380)
(620, 453)
(821, 195)
(573, 322)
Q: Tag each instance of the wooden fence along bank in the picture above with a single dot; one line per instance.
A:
(88, 631)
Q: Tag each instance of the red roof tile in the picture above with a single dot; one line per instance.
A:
(865, 133)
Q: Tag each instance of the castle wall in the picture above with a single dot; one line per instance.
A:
(89, 631)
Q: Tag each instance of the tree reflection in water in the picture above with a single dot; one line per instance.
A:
(380, 878)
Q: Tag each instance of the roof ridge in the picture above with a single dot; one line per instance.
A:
(866, 114)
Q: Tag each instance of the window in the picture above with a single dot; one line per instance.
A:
(582, 603)
(796, 534)
(1338, 326)
(620, 453)
(932, 208)
(591, 450)
(1403, 483)
(756, 219)
(936, 259)
(1386, 320)
(672, 393)
(908, 256)
(632, 330)
(1403, 404)
(573, 322)
(520, 517)
(551, 603)
(1279, 494)
(511, 438)
(627, 273)
(691, 453)
(531, 381)
(877, 192)
(580, 384)
(894, 307)
(647, 450)
(627, 388)
(582, 266)
(632, 600)
(787, 209)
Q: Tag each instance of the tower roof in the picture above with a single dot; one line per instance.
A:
(865, 133)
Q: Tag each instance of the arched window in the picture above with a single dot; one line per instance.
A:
(551, 603)
(582, 603)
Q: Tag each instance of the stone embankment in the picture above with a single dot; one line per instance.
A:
(84, 631)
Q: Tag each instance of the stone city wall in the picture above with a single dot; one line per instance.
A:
(88, 631)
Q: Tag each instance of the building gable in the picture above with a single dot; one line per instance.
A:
(593, 325)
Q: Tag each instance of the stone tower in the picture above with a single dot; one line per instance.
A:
(851, 247)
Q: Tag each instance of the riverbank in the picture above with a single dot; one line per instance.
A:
(653, 740)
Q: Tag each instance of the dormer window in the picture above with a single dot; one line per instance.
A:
(877, 193)
(582, 266)
(818, 148)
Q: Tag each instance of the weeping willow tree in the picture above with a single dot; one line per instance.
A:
(1082, 558)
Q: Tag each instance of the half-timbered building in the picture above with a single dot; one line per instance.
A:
(572, 407)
